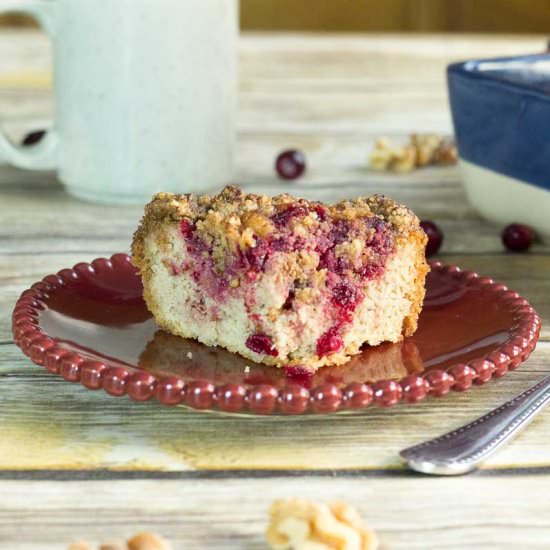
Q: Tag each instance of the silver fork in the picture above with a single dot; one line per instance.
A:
(464, 449)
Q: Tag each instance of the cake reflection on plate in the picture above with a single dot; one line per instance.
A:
(167, 354)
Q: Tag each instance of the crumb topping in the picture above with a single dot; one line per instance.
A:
(236, 220)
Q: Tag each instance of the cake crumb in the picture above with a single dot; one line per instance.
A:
(300, 524)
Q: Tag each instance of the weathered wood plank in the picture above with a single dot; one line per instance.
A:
(494, 513)
(48, 423)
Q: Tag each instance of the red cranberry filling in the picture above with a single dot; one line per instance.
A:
(340, 231)
(329, 342)
(174, 268)
(321, 212)
(257, 256)
(371, 271)
(345, 274)
(187, 227)
(328, 260)
(346, 296)
(281, 218)
(202, 268)
(261, 343)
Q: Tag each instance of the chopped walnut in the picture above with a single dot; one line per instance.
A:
(446, 153)
(423, 150)
(386, 156)
(299, 524)
(424, 146)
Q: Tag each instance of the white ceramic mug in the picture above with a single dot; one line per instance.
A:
(145, 96)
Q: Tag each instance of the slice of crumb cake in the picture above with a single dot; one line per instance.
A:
(282, 281)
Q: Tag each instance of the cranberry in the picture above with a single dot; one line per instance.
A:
(371, 271)
(381, 240)
(329, 261)
(346, 296)
(517, 237)
(329, 342)
(290, 164)
(187, 227)
(340, 231)
(33, 137)
(435, 237)
(257, 256)
(321, 212)
(281, 218)
(341, 265)
(261, 343)
(175, 268)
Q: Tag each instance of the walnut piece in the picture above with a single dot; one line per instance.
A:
(423, 150)
(446, 153)
(299, 524)
(147, 541)
(387, 156)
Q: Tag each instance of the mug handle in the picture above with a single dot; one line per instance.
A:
(43, 155)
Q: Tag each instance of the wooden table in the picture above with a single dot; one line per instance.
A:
(75, 463)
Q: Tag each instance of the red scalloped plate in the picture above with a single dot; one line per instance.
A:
(89, 324)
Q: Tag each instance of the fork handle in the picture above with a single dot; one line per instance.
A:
(464, 449)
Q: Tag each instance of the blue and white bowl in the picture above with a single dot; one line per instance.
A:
(501, 114)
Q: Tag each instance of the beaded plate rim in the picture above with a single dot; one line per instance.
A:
(201, 394)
